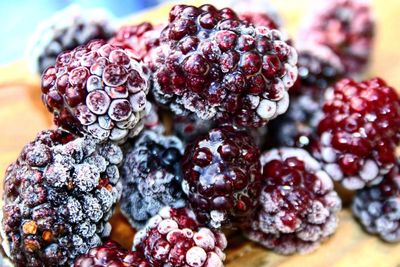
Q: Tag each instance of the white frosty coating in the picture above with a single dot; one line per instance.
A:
(266, 109)
(217, 217)
(204, 238)
(283, 105)
(369, 170)
(45, 32)
(213, 260)
(334, 171)
(196, 256)
(328, 154)
(353, 183)
(166, 226)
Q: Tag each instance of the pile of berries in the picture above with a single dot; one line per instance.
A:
(262, 132)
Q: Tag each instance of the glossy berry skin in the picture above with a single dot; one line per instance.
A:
(359, 132)
(347, 27)
(111, 254)
(378, 207)
(214, 65)
(174, 238)
(298, 205)
(65, 31)
(259, 19)
(151, 177)
(58, 198)
(139, 39)
(221, 173)
(97, 89)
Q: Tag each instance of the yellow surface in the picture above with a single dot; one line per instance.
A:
(22, 116)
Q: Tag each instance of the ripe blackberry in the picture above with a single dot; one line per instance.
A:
(58, 198)
(151, 177)
(259, 19)
(65, 31)
(190, 127)
(111, 254)
(298, 204)
(347, 27)
(359, 132)
(221, 176)
(139, 39)
(97, 89)
(174, 238)
(378, 207)
(214, 65)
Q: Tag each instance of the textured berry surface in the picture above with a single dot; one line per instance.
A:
(259, 19)
(221, 172)
(111, 254)
(58, 198)
(213, 64)
(152, 120)
(190, 127)
(174, 238)
(347, 27)
(67, 30)
(139, 39)
(298, 205)
(378, 207)
(151, 177)
(98, 89)
(359, 132)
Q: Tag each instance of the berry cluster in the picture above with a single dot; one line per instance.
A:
(218, 81)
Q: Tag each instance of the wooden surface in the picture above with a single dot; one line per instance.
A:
(22, 116)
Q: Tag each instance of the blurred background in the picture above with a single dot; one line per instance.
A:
(22, 17)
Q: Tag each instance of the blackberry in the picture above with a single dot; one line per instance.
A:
(111, 254)
(139, 39)
(347, 27)
(98, 89)
(188, 128)
(151, 177)
(214, 65)
(152, 121)
(378, 207)
(298, 204)
(221, 176)
(67, 30)
(174, 238)
(259, 19)
(358, 132)
(58, 197)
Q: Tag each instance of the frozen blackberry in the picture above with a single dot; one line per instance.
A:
(151, 177)
(214, 65)
(139, 39)
(298, 204)
(98, 89)
(221, 173)
(359, 131)
(152, 121)
(174, 238)
(347, 27)
(67, 30)
(378, 207)
(259, 19)
(58, 198)
(111, 254)
(190, 127)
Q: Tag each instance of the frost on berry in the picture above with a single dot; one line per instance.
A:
(378, 208)
(65, 31)
(57, 203)
(111, 254)
(358, 132)
(221, 172)
(104, 96)
(216, 66)
(151, 175)
(298, 204)
(173, 237)
(347, 27)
